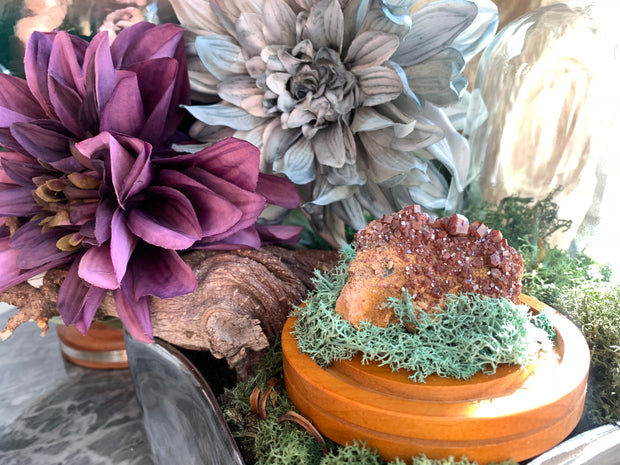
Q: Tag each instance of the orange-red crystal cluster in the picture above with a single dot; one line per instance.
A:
(448, 254)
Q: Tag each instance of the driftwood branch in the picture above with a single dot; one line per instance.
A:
(240, 305)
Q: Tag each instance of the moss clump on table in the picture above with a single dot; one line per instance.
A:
(595, 308)
(272, 442)
(471, 334)
(575, 285)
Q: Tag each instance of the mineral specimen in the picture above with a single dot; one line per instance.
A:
(429, 258)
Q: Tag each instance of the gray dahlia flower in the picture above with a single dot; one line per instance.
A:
(341, 96)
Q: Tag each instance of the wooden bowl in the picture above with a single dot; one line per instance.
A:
(516, 413)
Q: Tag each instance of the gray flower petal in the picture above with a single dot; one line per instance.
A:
(416, 176)
(351, 212)
(269, 55)
(325, 25)
(377, 20)
(396, 14)
(220, 55)
(336, 227)
(384, 161)
(452, 151)
(223, 114)
(255, 67)
(298, 117)
(348, 175)
(325, 193)
(228, 12)
(434, 26)
(350, 146)
(354, 12)
(377, 85)
(400, 110)
(290, 63)
(328, 145)
(209, 134)
(369, 119)
(398, 7)
(438, 79)
(286, 103)
(432, 194)
(297, 162)
(424, 134)
(238, 89)
(276, 141)
(478, 35)
(277, 82)
(374, 199)
(203, 84)
(197, 15)
(279, 26)
(250, 36)
(371, 49)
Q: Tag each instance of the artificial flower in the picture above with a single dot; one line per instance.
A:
(87, 181)
(341, 96)
(122, 217)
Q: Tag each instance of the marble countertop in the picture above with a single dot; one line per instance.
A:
(53, 412)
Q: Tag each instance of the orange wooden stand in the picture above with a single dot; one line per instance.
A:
(516, 413)
(102, 347)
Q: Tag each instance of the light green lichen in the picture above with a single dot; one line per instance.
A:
(471, 334)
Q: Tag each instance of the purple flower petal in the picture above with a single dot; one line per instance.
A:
(77, 301)
(21, 169)
(103, 220)
(5, 179)
(47, 140)
(18, 202)
(124, 112)
(215, 213)
(82, 212)
(279, 234)
(36, 63)
(164, 217)
(138, 172)
(17, 104)
(27, 232)
(145, 41)
(135, 313)
(126, 160)
(278, 191)
(250, 204)
(41, 249)
(92, 301)
(234, 160)
(96, 267)
(65, 62)
(157, 98)
(67, 103)
(99, 69)
(159, 272)
(12, 274)
(122, 244)
(244, 239)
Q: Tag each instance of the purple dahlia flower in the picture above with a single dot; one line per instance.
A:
(75, 89)
(121, 220)
(85, 180)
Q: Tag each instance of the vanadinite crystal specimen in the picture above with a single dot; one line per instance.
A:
(429, 258)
